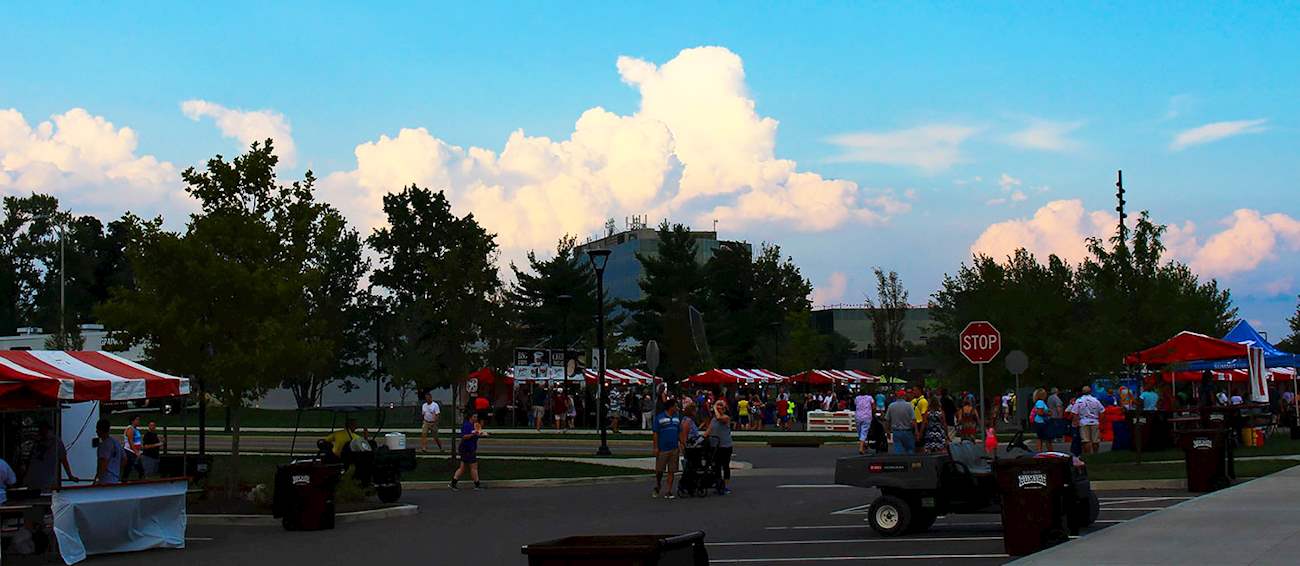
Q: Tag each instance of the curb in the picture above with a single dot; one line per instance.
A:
(1116, 485)
(540, 482)
(269, 521)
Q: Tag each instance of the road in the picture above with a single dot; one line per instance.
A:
(783, 512)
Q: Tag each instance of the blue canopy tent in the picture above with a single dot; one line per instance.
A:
(1244, 333)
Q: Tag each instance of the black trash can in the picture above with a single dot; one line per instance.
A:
(1205, 457)
(192, 465)
(620, 550)
(1033, 491)
(304, 495)
(1123, 435)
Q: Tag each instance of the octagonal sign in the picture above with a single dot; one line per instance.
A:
(980, 342)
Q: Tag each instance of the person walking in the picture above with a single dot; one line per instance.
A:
(936, 431)
(539, 407)
(430, 412)
(1040, 418)
(151, 451)
(864, 410)
(647, 411)
(470, 432)
(1088, 410)
(902, 424)
(1055, 414)
(720, 434)
(668, 437)
(559, 408)
(615, 408)
(133, 440)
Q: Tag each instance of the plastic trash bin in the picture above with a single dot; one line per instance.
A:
(1205, 457)
(1033, 491)
(620, 550)
(304, 495)
(1122, 436)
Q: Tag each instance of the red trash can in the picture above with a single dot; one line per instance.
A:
(1205, 457)
(1033, 491)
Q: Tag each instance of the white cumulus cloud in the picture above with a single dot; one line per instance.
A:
(832, 291)
(88, 163)
(932, 147)
(1250, 241)
(1216, 131)
(694, 151)
(1045, 135)
(247, 126)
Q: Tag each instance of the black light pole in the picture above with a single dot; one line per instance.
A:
(598, 260)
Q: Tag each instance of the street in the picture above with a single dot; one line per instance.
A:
(784, 511)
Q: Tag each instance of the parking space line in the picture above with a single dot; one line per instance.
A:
(853, 558)
(1133, 508)
(851, 541)
(816, 527)
(812, 486)
(857, 510)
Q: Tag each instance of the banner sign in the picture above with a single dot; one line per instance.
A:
(539, 364)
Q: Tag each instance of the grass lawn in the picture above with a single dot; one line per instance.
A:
(1277, 445)
(1132, 471)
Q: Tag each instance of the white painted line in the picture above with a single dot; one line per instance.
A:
(858, 510)
(200, 538)
(851, 541)
(853, 558)
(1126, 500)
(811, 485)
(1134, 509)
(816, 527)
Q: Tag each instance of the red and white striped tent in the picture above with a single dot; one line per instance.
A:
(83, 376)
(834, 377)
(620, 376)
(738, 376)
(1232, 375)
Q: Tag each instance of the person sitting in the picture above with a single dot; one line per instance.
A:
(351, 448)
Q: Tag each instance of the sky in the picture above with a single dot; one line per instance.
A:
(903, 135)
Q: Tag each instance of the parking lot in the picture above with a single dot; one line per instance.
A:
(784, 511)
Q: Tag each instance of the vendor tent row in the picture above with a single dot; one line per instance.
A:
(719, 377)
(1242, 353)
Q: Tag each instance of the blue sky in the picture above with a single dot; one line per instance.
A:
(940, 127)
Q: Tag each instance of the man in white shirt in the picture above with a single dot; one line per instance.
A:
(429, 413)
(1088, 410)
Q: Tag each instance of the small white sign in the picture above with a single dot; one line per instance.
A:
(1032, 479)
(1202, 443)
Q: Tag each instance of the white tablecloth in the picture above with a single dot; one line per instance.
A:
(119, 518)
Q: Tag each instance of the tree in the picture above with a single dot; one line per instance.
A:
(729, 300)
(780, 290)
(555, 298)
(223, 301)
(328, 254)
(26, 236)
(438, 286)
(887, 312)
(1292, 342)
(1072, 321)
(671, 285)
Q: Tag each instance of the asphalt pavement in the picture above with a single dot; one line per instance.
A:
(784, 511)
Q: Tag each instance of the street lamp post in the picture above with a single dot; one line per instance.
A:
(598, 260)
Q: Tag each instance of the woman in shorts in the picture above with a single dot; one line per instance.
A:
(470, 432)
(1039, 416)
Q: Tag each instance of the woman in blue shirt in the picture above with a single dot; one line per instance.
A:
(470, 432)
(1039, 414)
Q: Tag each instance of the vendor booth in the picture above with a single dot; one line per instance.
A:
(834, 377)
(96, 519)
(619, 377)
(738, 377)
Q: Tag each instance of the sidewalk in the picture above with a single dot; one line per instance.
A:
(1254, 523)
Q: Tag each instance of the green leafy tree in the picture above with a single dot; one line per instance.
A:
(27, 234)
(671, 285)
(438, 289)
(1292, 342)
(1072, 321)
(729, 288)
(887, 311)
(555, 298)
(223, 302)
(779, 290)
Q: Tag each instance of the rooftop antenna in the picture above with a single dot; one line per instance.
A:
(715, 224)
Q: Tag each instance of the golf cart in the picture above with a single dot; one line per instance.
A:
(376, 460)
(917, 488)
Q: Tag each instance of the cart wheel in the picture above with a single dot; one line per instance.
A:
(389, 493)
(701, 492)
(1082, 513)
(890, 516)
(922, 521)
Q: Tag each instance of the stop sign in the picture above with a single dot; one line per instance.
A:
(980, 342)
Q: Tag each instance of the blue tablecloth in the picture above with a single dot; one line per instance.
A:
(119, 518)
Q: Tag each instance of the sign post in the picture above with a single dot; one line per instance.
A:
(1017, 362)
(979, 343)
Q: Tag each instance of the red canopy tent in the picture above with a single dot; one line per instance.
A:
(737, 376)
(1187, 347)
(834, 377)
(620, 376)
(1230, 375)
(50, 375)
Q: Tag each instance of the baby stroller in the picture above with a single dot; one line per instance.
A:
(700, 471)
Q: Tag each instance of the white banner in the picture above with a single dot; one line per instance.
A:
(1258, 375)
